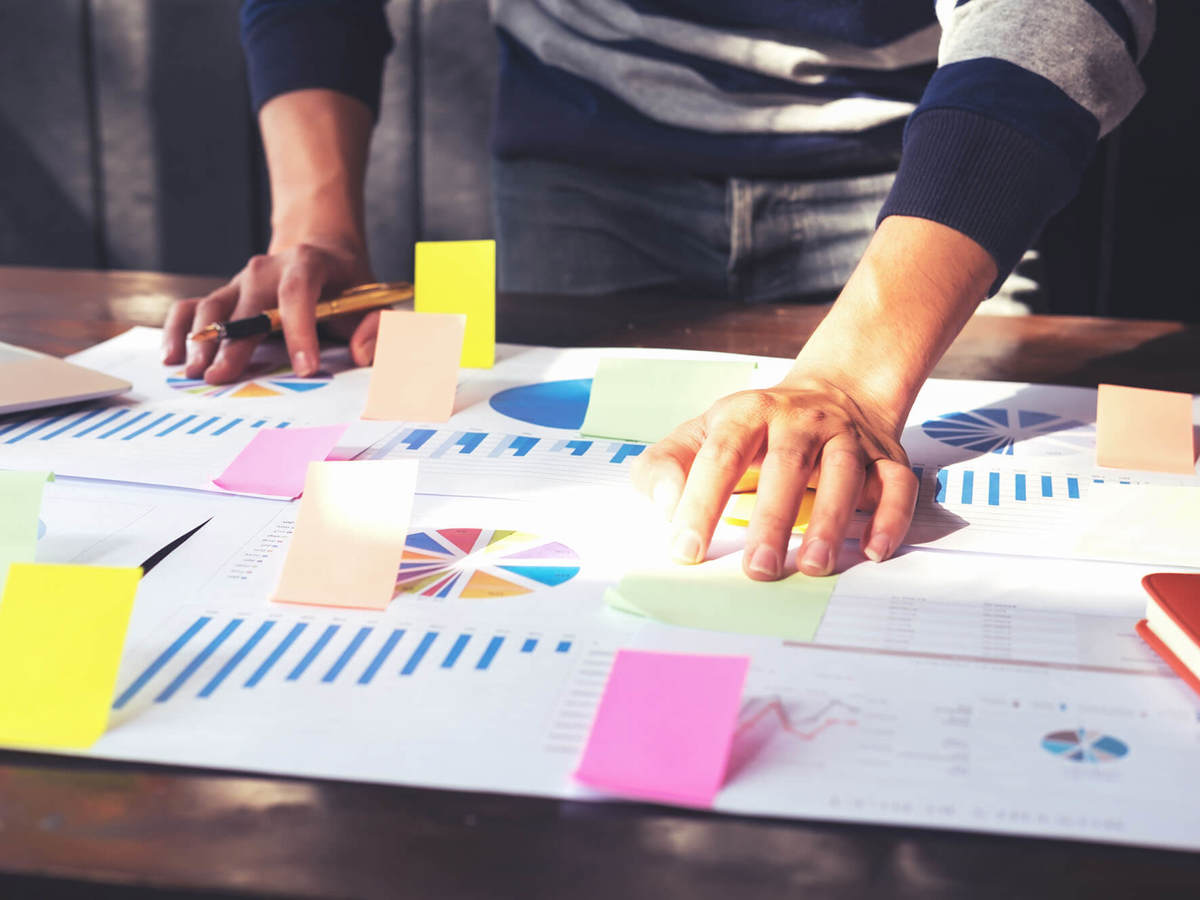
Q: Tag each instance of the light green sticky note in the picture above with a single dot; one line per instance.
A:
(717, 596)
(20, 503)
(644, 399)
(460, 277)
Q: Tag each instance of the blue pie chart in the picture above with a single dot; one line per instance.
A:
(551, 404)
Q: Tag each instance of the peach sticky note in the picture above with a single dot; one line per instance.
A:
(460, 277)
(62, 632)
(664, 726)
(276, 460)
(1137, 428)
(350, 533)
(416, 367)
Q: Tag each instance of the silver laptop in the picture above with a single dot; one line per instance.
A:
(29, 380)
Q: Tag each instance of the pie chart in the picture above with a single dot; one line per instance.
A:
(270, 381)
(996, 430)
(1084, 746)
(481, 563)
(551, 404)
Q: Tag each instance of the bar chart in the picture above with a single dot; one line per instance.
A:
(127, 424)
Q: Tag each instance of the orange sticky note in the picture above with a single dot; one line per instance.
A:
(416, 366)
(1137, 428)
(350, 533)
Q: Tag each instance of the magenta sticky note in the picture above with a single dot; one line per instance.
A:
(276, 460)
(664, 726)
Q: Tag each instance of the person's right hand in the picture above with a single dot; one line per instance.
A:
(294, 280)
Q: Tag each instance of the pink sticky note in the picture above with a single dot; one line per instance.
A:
(1137, 428)
(664, 726)
(276, 460)
(416, 366)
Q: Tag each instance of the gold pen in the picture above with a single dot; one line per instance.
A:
(357, 299)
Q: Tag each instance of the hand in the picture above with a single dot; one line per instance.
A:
(294, 280)
(805, 428)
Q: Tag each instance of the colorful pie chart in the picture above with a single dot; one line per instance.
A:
(1084, 746)
(277, 381)
(481, 563)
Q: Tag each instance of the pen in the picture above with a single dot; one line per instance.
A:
(357, 299)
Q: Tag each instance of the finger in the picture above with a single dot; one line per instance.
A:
(842, 476)
(362, 341)
(257, 292)
(216, 307)
(727, 450)
(782, 481)
(175, 330)
(299, 290)
(898, 487)
(662, 469)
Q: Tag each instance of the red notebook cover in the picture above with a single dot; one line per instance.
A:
(1178, 596)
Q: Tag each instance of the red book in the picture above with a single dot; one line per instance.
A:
(1172, 623)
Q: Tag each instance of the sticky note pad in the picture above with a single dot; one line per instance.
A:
(664, 726)
(415, 373)
(644, 399)
(718, 596)
(350, 533)
(62, 632)
(20, 503)
(740, 508)
(276, 460)
(1141, 523)
(460, 277)
(1138, 428)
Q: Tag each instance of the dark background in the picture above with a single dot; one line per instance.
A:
(126, 142)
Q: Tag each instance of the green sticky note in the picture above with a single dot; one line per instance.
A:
(62, 632)
(20, 503)
(717, 596)
(460, 277)
(645, 399)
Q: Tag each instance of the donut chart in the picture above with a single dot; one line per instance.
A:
(482, 563)
(268, 381)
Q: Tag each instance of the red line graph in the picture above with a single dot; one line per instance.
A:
(794, 727)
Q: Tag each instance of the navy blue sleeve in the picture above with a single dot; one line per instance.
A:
(296, 44)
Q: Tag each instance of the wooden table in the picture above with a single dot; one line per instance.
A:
(84, 823)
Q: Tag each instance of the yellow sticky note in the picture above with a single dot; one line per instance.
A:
(62, 631)
(741, 506)
(460, 277)
(1137, 428)
(350, 534)
(415, 374)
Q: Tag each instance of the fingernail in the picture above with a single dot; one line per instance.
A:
(302, 363)
(816, 557)
(765, 561)
(686, 547)
(878, 549)
(665, 496)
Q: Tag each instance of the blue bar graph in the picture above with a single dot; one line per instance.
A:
(200, 659)
(313, 652)
(563, 647)
(388, 646)
(993, 488)
(1019, 487)
(460, 644)
(529, 645)
(419, 653)
(175, 425)
(227, 669)
(145, 428)
(161, 660)
(1073, 488)
(347, 654)
(626, 451)
(269, 663)
(1047, 486)
(100, 424)
(489, 654)
(968, 486)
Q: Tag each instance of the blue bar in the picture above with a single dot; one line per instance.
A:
(145, 428)
(626, 451)
(940, 496)
(968, 487)
(283, 424)
(56, 433)
(224, 428)
(384, 652)
(417, 437)
(123, 425)
(163, 658)
(469, 441)
(200, 659)
(1047, 486)
(489, 653)
(578, 448)
(1094, 480)
(270, 661)
(242, 653)
(178, 424)
(1020, 487)
(422, 648)
(21, 420)
(529, 645)
(101, 423)
(1073, 488)
(259, 424)
(563, 647)
(522, 445)
(350, 650)
(35, 429)
(313, 652)
(199, 428)
(993, 488)
(459, 645)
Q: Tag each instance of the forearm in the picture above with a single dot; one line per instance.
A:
(316, 143)
(912, 292)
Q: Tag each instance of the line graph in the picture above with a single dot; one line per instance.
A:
(807, 727)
